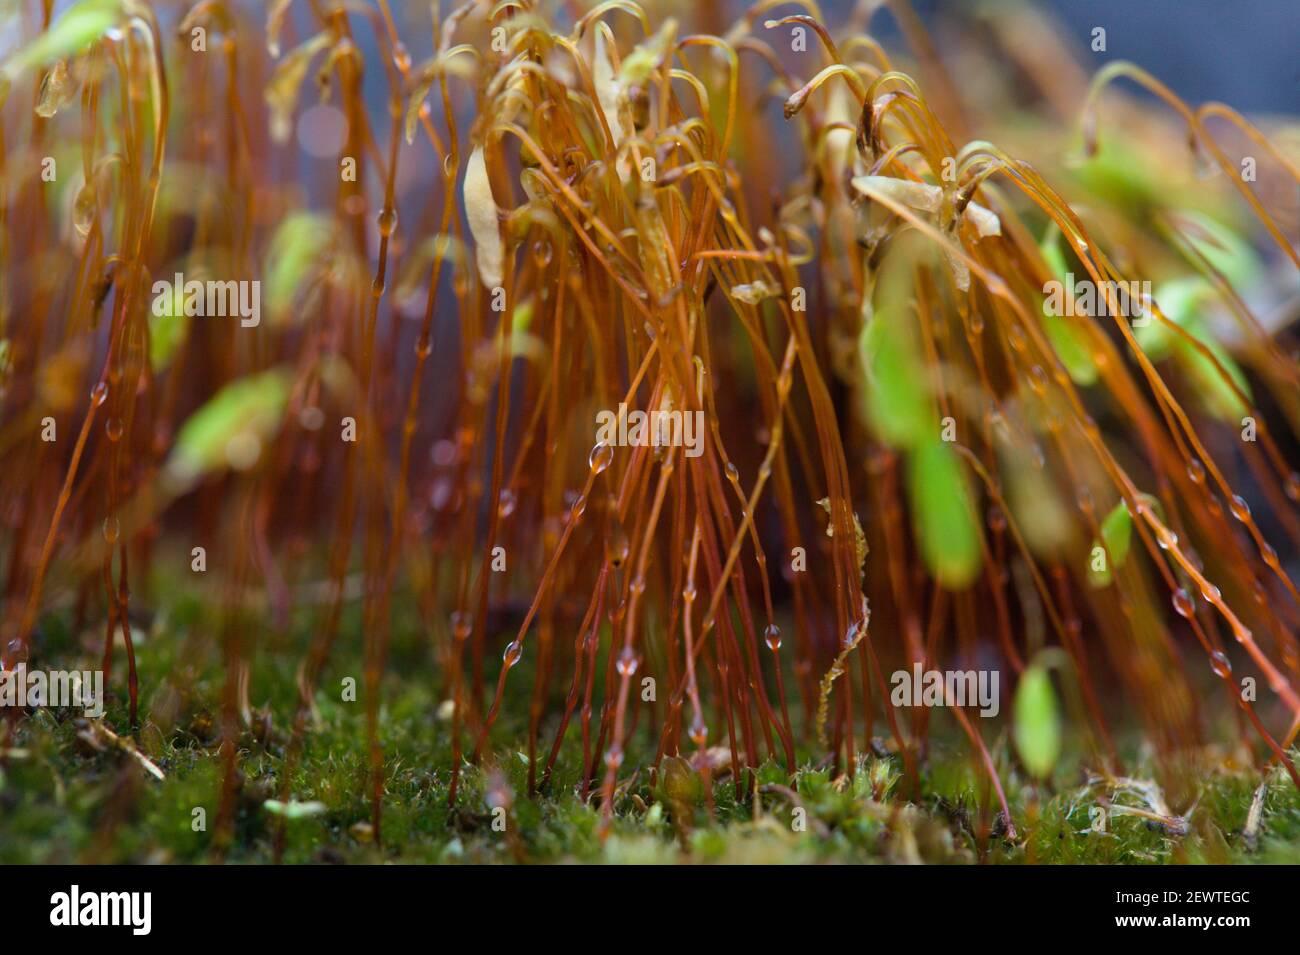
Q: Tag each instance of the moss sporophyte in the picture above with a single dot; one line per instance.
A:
(567, 416)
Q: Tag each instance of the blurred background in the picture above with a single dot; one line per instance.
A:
(1244, 52)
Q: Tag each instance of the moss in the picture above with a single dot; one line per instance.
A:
(66, 801)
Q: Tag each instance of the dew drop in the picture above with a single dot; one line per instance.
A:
(614, 756)
(1240, 509)
(83, 210)
(506, 504)
(113, 428)
(699, 732)
(772, 636)
(1183, 604)
(1220, 664)
(627, 662)
(401, 57)
(387, 222)
(462, 624)
(514, 650)
(1196, 471)
(99, 394)
(1293, 485)
(111, 530)
(601, 456)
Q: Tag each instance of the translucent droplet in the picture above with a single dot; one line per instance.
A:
(1220, 664)
(387, 222)
(99, 394)
(58, 88)
(113, 427)
(1293, 485)
(506, 504)
(1211, 593)
(514, 650)
(401, 57)
(1196, 471)
(617, 545)
(627, 662)
(84, 209)
(1240, 509)
(772, 636)
(733, 474)
(462, 624)
(111, 529)
(614, 756)
(601, 456)
(699, 732)
(1183, 604)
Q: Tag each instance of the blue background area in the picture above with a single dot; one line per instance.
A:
(1245, 53)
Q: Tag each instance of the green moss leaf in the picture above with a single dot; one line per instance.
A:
(944, 513)
(897, 402)
(1117, 536)
(1181, 301)
(167, 331)
(298, 250)
(1037, 722)
(294, 810)
(81, 25)
(232, 428)
(1117, 532)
